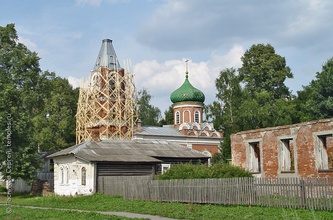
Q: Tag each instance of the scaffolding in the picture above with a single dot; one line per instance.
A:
(107, 101)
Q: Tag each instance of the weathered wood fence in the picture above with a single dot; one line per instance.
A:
(309, 193)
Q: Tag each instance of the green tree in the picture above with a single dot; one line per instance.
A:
(225, 111)
(265, 71)
(266, 99)
(20, 101)
(27, 96)
(168, 117)
(315, 101)
(54, 126)
(148, 114)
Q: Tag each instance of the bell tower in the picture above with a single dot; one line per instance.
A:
(107, 99)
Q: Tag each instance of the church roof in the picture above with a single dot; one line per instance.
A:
(187, 92)
(107, 56)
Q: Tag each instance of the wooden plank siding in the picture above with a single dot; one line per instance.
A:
(308, 193)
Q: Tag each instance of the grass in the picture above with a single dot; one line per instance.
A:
(19, 213)
(172, 210)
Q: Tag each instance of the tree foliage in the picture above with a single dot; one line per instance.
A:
(254, 97)
(168, 117)
(25, 93)
(149, 114)
(315, 101)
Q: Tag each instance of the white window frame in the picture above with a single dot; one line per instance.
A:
(197, 116)
(165, 167)
(177, 117)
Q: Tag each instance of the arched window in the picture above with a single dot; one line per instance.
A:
(66, 175)
(83, 176)
(61, 175)
(177, 118)
(197, 116)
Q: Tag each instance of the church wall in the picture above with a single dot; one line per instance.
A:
(71, 183)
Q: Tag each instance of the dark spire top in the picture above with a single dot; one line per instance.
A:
(187, 92)
(107, 56)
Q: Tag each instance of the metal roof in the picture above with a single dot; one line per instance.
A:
(107, 56)
(165, 131)
(129, 151)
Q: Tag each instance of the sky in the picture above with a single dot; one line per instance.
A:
(157, 36)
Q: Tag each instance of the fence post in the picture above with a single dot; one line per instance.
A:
(303, 193)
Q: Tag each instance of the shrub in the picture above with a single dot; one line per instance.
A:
(3, 189)
(191, 171)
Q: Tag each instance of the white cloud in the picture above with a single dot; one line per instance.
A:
(75, 82)
(161, 79)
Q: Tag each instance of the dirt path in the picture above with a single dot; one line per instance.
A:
(124, 214)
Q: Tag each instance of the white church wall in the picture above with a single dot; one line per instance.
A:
(68, 176)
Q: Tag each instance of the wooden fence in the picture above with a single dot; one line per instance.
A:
(309, 193)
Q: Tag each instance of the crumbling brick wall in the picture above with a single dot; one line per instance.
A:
(310, 145)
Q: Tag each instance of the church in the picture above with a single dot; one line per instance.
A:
(112, 144)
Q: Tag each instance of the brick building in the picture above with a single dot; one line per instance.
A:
(297, 150)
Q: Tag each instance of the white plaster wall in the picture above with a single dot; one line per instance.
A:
(74, 186)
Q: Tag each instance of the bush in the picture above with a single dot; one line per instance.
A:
(191, 171)
(3, 189)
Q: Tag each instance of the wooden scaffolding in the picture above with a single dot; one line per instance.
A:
(107, 102)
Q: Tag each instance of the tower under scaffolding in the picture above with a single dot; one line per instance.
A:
(107, 100)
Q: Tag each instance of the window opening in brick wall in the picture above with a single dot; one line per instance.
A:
(287, 159)
(254, 157)
(196, 116)
(177, 118)
(325, 152)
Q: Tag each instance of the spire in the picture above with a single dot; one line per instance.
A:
(186, 63)
(107, 56)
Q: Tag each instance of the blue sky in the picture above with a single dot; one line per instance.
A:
(158, 36)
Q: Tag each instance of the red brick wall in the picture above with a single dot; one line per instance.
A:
(213, 149)
(305, 142)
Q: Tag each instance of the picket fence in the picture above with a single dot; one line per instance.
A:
(307, 193)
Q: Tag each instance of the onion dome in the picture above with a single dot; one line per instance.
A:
(187, 93)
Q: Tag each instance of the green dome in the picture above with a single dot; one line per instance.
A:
(187, 93)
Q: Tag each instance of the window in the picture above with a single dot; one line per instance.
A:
(197, 116)
(66, 175)
(177, 118)
(51, 167)
(287, 159)
(254, 157)
(83, 176)
(61, 175)
(324, 152)
(165, 167)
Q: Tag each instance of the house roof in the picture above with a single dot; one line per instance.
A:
(129, 151)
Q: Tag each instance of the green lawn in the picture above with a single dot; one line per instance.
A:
(172, 210)
(19, 213)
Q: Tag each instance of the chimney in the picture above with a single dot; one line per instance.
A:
(95, 134)
(138, 125)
